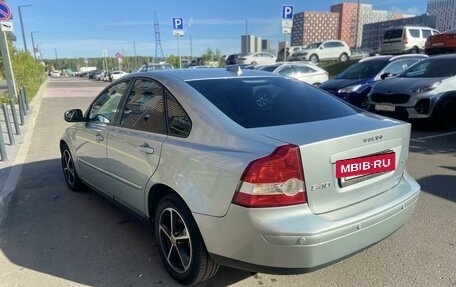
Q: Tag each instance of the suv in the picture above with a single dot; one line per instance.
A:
(354, 83)
(406, 39)
(426, 90)
(326, 50)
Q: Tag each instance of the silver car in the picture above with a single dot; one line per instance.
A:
(426, 90)
(242, 168)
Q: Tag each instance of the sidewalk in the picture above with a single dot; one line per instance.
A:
(10, 170)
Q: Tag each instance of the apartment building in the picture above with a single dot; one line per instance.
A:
(310, 27)
(445, 13)
(250, 44)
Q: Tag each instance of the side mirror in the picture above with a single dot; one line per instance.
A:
(385, 75)
(74, 116)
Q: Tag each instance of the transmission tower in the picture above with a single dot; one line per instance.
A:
(158, 46)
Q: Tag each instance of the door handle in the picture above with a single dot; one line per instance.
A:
(146, 149)
(99, 138)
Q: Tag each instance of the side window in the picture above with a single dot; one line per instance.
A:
(178, 120)
(303, 70)
(144, 109)
(395, 67)
(415, 33)
(105, 106)
(286, 71)
(426, 33)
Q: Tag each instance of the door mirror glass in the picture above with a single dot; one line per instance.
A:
(74, 115)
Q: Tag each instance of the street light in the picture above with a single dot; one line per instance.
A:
(22, 25)
(33, 43)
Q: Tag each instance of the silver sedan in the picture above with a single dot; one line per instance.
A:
(242, 168)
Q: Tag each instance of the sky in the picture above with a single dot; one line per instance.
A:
(90, 28)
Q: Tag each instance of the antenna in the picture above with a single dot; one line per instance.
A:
(158, 47)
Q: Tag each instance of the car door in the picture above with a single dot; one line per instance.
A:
(91, 139)
(134, 145)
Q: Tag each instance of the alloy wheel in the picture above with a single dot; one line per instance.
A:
(68, 168)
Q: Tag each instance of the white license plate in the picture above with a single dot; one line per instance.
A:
(386, 108)
(438, 44)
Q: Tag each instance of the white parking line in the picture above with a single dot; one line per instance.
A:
(435, 136)
(416, 140)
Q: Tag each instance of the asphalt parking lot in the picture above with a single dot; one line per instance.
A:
(55, 237)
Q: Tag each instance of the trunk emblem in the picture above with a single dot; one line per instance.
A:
(320, 186)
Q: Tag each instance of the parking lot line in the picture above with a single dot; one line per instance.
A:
(435, 136)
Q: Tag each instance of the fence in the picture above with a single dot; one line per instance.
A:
(11, 120)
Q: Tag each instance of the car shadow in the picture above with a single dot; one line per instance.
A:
(440, 185)
(81, 236)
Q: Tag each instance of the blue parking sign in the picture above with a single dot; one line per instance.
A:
(178, 24)
(287, 12)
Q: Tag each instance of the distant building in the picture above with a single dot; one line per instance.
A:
(445, 12)
(373, 32)
(250, 44)
(349, 30)
(310, 27)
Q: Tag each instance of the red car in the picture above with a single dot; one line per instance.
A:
(441, 43)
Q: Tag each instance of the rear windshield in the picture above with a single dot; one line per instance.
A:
(271, 101)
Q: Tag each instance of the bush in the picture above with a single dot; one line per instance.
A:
(28, 73)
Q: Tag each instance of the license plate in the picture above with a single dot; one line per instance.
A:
(386, 108)
(365, 165)
(438, 44)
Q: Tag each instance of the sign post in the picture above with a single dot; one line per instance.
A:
(119, 59)
(287, 24)
(178, 31)
(5, 15)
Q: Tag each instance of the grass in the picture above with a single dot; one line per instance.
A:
(334, 67)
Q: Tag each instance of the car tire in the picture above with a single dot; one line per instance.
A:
(180, 243)
(313, 58)
(343, 57)
(414, 50)
(253, 63)
(445, 116)
(69, 171)
(364, 104)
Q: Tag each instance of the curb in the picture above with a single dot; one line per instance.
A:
(16, 167)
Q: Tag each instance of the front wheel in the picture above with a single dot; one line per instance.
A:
(313, 59)
(180, 244)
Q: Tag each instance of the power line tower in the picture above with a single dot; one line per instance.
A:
(158, 46)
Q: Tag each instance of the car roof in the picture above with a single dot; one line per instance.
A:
(391, 58)
(210, 73)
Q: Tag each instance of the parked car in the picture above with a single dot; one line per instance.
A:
(441, 43)
(231, 59)
(257, 58)
(405, 39)
(155, 66)
(303, 71)
(242, 168)
(326, 50)
(355, 82)
(426, 90)
(290, 51)
(115, 75)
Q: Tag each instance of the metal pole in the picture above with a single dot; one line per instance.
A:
(178, 52)
(22, 25)
(3, 155)
(33, 44)
(25, 98)
(357, 27)
(191, 49)
(13, 112)
(285, 49)
(8, 125)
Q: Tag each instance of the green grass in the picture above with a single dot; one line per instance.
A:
(335, 68)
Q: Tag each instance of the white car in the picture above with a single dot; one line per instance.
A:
(326, 50)
(257, 58)
(115, 75)
(303, 71)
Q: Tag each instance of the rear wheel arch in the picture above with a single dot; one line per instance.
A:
(156, 193)
(444, 113)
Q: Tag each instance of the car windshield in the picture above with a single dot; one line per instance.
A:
(313, 45)
(271, 101)
(362, 70)
(431, 68)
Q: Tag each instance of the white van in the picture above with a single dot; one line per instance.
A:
(405, 39)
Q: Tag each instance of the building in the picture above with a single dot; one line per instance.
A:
(349, 30)
(445, 12)
(250, 44)
(310, 27)
(373, 32)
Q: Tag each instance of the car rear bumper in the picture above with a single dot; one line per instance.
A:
(294, 240)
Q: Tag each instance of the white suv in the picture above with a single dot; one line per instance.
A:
(327, 50)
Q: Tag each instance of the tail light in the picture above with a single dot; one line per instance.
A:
(405, 38)
(274, 180)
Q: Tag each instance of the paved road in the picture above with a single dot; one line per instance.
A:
(54, 237)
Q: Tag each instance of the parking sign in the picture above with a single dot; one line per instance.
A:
(178, 27)
(287, 12)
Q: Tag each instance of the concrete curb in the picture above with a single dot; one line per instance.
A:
(16, 167)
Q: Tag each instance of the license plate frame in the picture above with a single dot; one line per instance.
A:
(360, 166)
(385, 108)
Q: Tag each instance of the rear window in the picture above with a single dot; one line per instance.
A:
(271, 101)
(393, 34)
